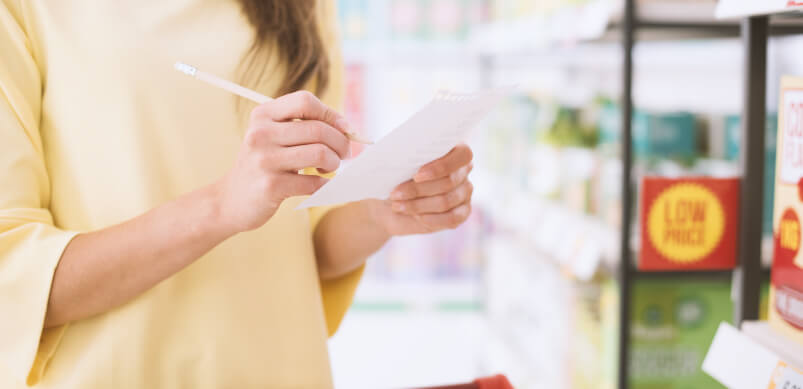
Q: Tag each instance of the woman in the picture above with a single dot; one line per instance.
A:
(148, 236)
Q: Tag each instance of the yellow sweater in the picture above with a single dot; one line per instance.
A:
(95, 128)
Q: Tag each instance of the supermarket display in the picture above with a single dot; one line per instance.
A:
(769, 353)
(539, 260)
(557, 164)
(689, 223)
(786, 298)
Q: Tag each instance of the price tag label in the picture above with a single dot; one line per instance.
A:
(786, 377)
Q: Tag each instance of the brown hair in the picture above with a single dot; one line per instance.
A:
(292, 26)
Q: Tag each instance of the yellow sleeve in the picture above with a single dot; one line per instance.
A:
(30, 245)
(337, 294)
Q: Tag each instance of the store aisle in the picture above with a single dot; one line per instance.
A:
(393, 349)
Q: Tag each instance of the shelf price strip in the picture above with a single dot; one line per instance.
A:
(786, 377)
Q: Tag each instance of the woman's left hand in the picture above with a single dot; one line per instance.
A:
(437, 198)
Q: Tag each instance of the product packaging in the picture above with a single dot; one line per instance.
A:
(786, 294)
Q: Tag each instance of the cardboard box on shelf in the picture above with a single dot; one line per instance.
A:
(786, 294)
(665, 135)
(672, 324)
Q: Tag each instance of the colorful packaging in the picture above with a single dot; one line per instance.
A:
(689, 223)
(786, 294)
(353, 16)
(593, 351)
(668, 135)
(672, 324)
(655, 135)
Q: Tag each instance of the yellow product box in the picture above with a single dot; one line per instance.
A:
(786, 292)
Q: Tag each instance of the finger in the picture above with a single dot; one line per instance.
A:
(317, 155)
(307, 132)
(459, 156)
(301, 105)
(299, 185)
(452, 219)
(411, 189)
(436, 204)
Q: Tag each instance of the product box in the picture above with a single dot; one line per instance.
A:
(673, 322)
(786, 294)
(610, 127)
(665, 135)
(353, 18)
(655, 135)
(689, 223)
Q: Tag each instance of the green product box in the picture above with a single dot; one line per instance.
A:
(609, 123)
(673, 322)
(655, 135)
(666, 135)
(732, 145)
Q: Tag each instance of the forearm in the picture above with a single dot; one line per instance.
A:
(103, 269)
(346, 237)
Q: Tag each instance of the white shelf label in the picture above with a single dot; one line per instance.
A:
(786, 377)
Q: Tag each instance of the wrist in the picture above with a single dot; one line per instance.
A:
(212, 200)
(377, 213)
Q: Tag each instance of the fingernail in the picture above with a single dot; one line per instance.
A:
(398, 207)
(342, 124)
(397, 195)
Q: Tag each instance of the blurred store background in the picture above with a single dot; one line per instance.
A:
(526, 287)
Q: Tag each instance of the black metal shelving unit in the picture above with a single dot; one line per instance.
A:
(627, 29)
(748, 275)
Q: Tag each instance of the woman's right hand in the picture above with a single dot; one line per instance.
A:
(293, 132)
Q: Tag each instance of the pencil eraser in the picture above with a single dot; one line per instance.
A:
(182, 67)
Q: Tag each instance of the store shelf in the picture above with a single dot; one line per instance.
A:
(743, 8)
(686, 274)
(580, 244)
(408, 52)
(755, 357)
(691, 274)
(601, 21)
(376, 294)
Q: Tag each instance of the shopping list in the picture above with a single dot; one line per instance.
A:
(426, 136)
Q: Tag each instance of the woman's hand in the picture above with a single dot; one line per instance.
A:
(293, 132)
(437, 198)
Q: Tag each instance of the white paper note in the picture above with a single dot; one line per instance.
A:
(426, 136)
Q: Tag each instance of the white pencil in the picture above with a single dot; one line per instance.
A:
(242, 91)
